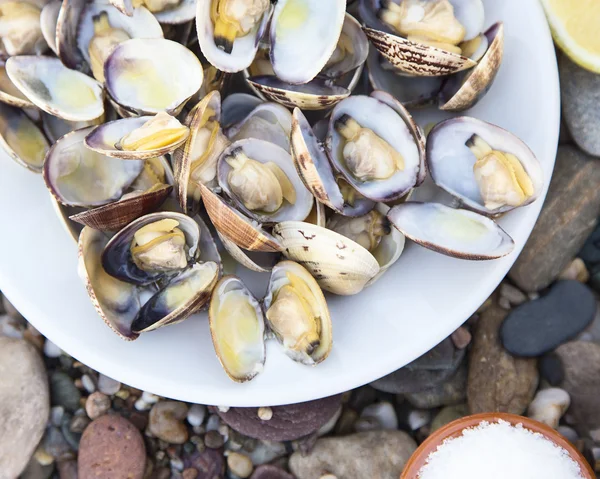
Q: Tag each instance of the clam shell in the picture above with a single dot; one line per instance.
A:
(236, 107)
(254, 351)
(353, 29)
(87, 170)
(450, 162)
(9, 93)
(315, 95)
(16, 128)
(182, 13)
(465, 94)
(259, 262)
(48, 22)
(339, 265)
(116, 302)
(416, 58)
(104, 137)
(278, 280)
(47, 83)
(450, 231)
(235, 227)
(265, 152)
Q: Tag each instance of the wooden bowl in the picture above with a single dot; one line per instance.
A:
(455, 429)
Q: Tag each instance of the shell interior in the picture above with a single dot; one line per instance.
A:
(236, 107)
(352, 31)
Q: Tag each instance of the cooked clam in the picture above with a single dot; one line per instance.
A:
(261, 179)
(170, 12)
(297, 313)
(454, 232)
(20, 27)
(237, 328)
(489, 169)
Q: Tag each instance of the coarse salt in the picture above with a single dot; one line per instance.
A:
(499, 451)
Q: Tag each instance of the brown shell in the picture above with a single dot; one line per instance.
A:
(482, 76)
(117, 215)
(304, 101)
(234, 227)
(416, 58)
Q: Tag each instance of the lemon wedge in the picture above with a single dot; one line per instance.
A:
(574, 26)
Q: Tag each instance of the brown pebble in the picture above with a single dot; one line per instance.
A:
(78, 424)
(240, 464)
(575, 270)
(67, 470)
(166, 421)
(190, 473)
(461, 337)
(213, 439)
(96, 405)
(111, 448)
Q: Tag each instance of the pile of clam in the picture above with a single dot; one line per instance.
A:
(182, 133)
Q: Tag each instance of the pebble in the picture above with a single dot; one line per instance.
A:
(549, 405)
(575, 270)
(51, 350)
(96, 405)
(330, 425)
(373, 454)
(209, 463)
(34, 470)
(190, 473)
(580, 91)
(417, 418)
(452, 391)
(142, 405)
(267, 451)
(11, 328)
(265, 413)
(111, 448)
(240, 465)
(213, 440)
(270, 472)
(108, 385)
(288, 422)
(449, 414)
(71, 437)
(166, 421)
(581, 366)
(24, 404)
(43, 457)
(551, 370)
(56, 415)
(88, 383)
(67, 469)
(11, 310)
(213, 423)
(539, 326)
(381, 415)
(64, 392)
(496, 380)
(345, 424)
(512, 294)
(567, 218)
(461, 337)
(150, 398)
(55, 444)
(425, 372)
(79, 423)
(196, 414)
(568, 433)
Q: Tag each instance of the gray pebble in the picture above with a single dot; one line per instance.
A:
(418, 418)
(381, 414)
(51, 350)
(88, 383)
(108, 385)
(196, 414)
(513, 294)
(56, 415)
(63, 391)
(568, 433)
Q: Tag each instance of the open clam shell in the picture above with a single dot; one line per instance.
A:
(22, 139)
(105, 139)
(237, 228)
(390, 123)
(48, 22)
(236, 107)
(52, 87)
(464, 90)
(268, 121)
(316, 95)
(77, 176)
(116, 302)
(117, 258)
(454, 232)
(339, 265)
(237, 328)
(265, 153)
(450, 161)
(185, 295)
(9, 93)
(147, 76)
(254, 261)
(56, 128)
(305, 340)
(21, 32)
(243, 49)
(312, 163)
(354, 57)
(317, 26)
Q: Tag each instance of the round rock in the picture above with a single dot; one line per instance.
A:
(539, 326)
(287, 423)
(111, 448)
(24, 404)
(166, 421)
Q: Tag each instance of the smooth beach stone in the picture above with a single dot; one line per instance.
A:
(551, 368)
(287, 423)
(452, 391)
(498, 381)
(567, 218)
(539, 326)
(268, 471)
(549, 405)
(425, 372)
(580, 92)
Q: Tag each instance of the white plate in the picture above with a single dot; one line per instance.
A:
(419, 302)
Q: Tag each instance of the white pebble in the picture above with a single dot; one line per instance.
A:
(224, 431)
(595, 435)
(196, 415)
(150, 398)
(56, 415)
(549, 405)
(88, 383)
(383, 413)
(223, 408)
(265, 413)
(177, 464)
(108, 385)
(418, 418)
(328, 476)
(10, 328)
(142, 405)
(51, 350)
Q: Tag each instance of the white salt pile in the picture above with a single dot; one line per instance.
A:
(499, 451)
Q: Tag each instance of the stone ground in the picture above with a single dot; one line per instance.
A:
(533, 348)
